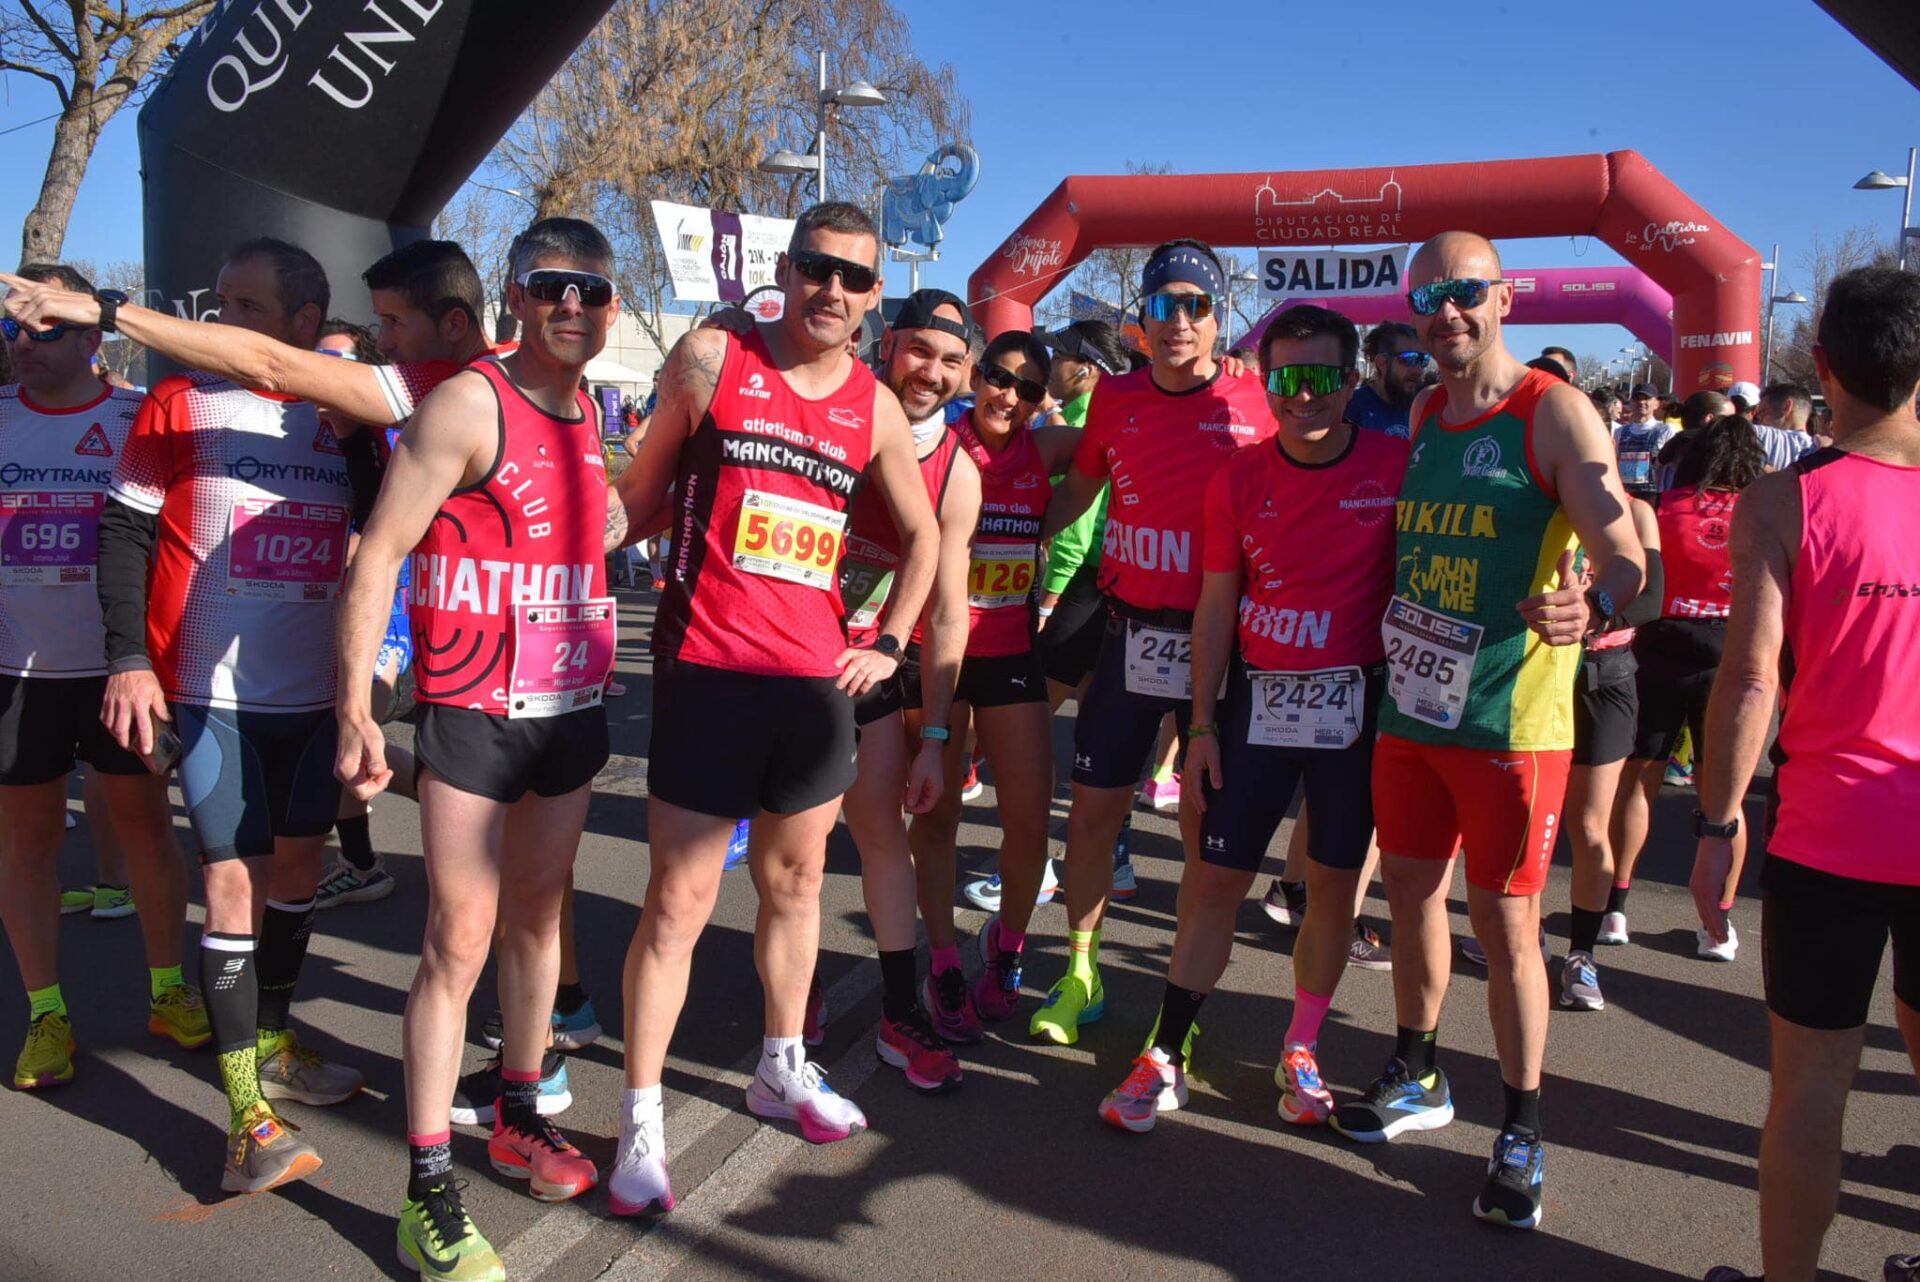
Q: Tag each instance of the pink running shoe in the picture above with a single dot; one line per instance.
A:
(1304, 1098)
(804, 1097)
(949, 1004)
(996, 993)
(1155, 1085)
(911, 1047)
(554, 1168)
(638, 1184)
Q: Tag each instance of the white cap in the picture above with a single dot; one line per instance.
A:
(1748, 392)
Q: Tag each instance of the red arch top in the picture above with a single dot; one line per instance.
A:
(1713, 275)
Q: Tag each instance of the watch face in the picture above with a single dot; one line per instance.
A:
(112, 296)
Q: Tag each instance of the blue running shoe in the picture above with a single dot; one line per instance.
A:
(476, 1094)
(1395, 1104)
(575, 1029)
(1512, 1193)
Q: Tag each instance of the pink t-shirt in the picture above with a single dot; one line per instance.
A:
(1850, 788)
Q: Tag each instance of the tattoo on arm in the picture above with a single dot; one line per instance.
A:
(700, 367)
(616, 536)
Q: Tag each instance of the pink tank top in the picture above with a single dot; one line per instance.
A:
(1851, 731)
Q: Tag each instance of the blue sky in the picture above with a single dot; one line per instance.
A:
(1764, 111)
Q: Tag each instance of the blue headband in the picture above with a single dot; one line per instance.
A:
(1186, 264)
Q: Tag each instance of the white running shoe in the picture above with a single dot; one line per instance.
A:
(799, 1093)
(1613, 929)
(638, 1184)
(1705, 947)
(984, 892)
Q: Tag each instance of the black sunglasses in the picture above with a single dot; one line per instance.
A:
(820, 268)
(1002, 378)
(12, 329)
(550, 285)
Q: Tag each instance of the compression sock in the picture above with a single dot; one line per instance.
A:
(283, 948)
(1523, 1110)
(1309, 1012)
(232, 992)
(429, 1163)
(1177, 1010)
(519, 1107)
(1086, 948)
(898, 974)
(568, 998)
(45, 1001)
(1415, 1049)
(161, 978)
(1617, 897)
(356, 842)
(945, 959)
(1585, 930)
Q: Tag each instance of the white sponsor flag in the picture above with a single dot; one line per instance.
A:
(715, 256)
(1300, 276)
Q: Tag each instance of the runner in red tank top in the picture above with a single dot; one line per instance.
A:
(1159, 434)
(1826, 587)
(768, 438)
(500, 484)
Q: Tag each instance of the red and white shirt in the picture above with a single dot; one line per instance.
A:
(1160, 449)
(55, 467)
(1014, 490)
(253, 503)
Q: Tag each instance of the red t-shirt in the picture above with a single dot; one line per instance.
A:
(1006, 542)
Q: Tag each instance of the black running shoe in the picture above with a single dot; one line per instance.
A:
(491, 1035)
(1395, 1104)
(1902, 1268)
(476, 1093)
(1512, 1193)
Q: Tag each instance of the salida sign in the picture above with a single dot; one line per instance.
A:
(1296, 276)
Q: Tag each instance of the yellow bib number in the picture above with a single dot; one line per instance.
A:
(786, 538)
(1001, 575)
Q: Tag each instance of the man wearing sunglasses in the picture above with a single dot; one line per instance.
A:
(765, 439)
(498, 492)
(1398, 370)
(1639, 441)
(1511, 469)
(1158, 434)
(61, 429)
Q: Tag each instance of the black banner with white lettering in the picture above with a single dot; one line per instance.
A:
(342, 127)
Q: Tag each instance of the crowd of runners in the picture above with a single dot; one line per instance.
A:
(1434, 603)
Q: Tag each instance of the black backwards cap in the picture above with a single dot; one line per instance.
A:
(1073, 345)
(917, 312)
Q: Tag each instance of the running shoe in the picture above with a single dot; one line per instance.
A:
(1613, 929)
(1070, 1003)
(1511, 1195)
(659, 585)
(803, 1096)
(554, 1169)
(180, 1013)
(1580, 983)
(476, 1094)
(1285, 903)
(1394, 1105)
(911, 1046)
(1156, 1085)
(111, 902)
(1705, 947)
(1679, 776)
(1901, 1268)
(1304, 1098)
(972, 788)
(996, 993)
(345, 884)
(1368, 951)
(984, 892)
(638, 1184)
(1125, 884)
(265, 1153)
(492, 1034)
(949, 1003)
(814, 1030)
(1471, 950)
(436, 1239)
(576, 1029)
(289, 1070)
(76, 901)
(47, 1058)
(1162, 796)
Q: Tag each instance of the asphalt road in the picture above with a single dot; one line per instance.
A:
(1652, 1108)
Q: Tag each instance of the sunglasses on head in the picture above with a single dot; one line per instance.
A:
(1412, 360)
(1463, 294)
(12, 329)
(550, 285)
(1318, 380)
(1025, 388)
(1161, 307)
(855, 278)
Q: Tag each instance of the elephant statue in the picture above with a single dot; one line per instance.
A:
(916, 206)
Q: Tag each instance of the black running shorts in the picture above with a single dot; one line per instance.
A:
(503, 759)
(1606, 707)
(1821, 940)
(48, 723)
(1678, 659)
(731, 744)
(1114, 734)
(1070, 643)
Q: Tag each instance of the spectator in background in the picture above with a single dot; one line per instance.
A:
(1639, 440)
(1561, 357)
(344, 338)
(1696, 413)
(1550, 365)
(1397, 368)
(1745, 398)
(1612, 408)
(1780, 422)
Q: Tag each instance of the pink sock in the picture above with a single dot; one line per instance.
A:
(946, 959)
(1309, 1012)
(1008, 941)
(1623, 885)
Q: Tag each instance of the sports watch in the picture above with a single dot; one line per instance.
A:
(109, 300)
(888, 645)
(1702, 827)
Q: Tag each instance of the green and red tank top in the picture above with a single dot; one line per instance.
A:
(1480, 529)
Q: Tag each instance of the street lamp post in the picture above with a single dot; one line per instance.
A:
(507, 191)
(858, 93)
(1877, 181)
(1774, 298)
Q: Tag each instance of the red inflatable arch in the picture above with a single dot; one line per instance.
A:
(1713, 275)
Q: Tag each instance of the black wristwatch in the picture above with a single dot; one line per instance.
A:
(109, 300)
(1703, 828)
(888, 645)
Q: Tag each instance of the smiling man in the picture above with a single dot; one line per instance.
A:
(765, 439)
